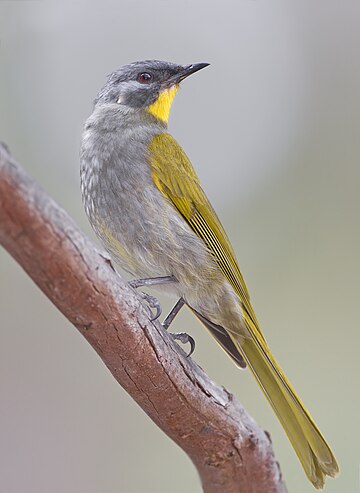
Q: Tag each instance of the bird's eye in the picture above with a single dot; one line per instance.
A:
(144, 77)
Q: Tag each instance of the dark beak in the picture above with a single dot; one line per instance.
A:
(186, 71)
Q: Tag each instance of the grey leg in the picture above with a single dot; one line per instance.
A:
(154, 303)
(152, 281)
(179, 336)
(175, 310)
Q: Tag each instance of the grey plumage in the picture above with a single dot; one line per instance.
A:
(145, 203)
(129, 214)
(124, 83)
(136, 223)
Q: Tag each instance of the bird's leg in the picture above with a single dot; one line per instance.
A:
(179, 336)
(174, 311)
(151, 281)
(183, 337)
(151, 300)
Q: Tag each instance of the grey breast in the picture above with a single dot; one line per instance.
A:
(137, 224)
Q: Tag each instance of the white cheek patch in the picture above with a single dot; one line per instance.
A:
(119, 101)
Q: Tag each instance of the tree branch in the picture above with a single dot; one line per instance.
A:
(231, 453)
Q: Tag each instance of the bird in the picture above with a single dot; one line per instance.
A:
(145, 202)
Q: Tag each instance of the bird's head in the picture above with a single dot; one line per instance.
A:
(150, 85)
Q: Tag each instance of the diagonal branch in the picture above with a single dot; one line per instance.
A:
(231, 453)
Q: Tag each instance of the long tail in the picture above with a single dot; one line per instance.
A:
(314, 453)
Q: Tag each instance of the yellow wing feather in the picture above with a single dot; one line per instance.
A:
(175, 177)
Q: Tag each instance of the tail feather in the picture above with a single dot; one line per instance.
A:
(309, 444)
(223, 339)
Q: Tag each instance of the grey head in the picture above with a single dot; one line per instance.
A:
(139, 84)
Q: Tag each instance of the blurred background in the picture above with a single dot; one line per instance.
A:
(273, 129)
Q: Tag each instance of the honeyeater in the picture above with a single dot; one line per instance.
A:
(146, 204)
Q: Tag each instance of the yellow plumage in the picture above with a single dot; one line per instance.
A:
(161, 107)
(175, 177)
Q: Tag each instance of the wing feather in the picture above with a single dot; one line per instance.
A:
(176, 178)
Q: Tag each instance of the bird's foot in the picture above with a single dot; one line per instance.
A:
(151, 300)
(180, 336)
(153, 303)
(184, 338)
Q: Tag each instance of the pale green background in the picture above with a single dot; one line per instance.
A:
(273, 128)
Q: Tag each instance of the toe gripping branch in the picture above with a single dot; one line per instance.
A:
(154, 303)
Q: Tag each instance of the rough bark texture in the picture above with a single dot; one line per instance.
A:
(231, 453)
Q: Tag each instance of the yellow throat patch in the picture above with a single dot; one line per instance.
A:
(161, 108)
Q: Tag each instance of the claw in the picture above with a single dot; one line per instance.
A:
(184, 338)
(153, 303)
(151, 300)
